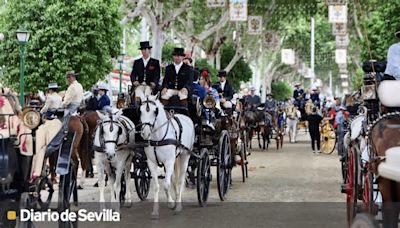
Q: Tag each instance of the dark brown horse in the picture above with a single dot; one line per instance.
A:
(91, 118)
(80, 150)
(384, 135)
(258, 122)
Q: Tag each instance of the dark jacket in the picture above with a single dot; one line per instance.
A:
(297, 93)
(313, 122)
(253, 101)
(92, 104)
(199, 90)
(152, 71)
(228, 91)
(184, 78)
(103, 101)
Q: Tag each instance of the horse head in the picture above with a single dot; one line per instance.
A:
(149, 113)
(111, 133)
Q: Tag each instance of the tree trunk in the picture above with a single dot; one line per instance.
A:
(233, 61)
(158, 42)
(211, 59)
(218, 60)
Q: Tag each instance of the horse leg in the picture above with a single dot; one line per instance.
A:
(258, 137)
(117, 184)
(169, 169)
(156, 187)
(101, 178)
(127, 178)
(183, 161)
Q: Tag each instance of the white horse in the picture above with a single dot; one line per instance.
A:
(169, 137)
(113, 135)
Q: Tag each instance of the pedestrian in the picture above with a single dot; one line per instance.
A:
(314, 120)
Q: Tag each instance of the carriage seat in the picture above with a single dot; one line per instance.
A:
(388, 93)
(390, 168)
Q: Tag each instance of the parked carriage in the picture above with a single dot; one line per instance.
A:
(373, 135)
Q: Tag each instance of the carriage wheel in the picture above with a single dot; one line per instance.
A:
(25, 203)
(367, 194)
(224, 165)
(328, 141)
(364, 221)
(123, 189)
(142, 179)
(67, 188)
(203, 178)
(352, 186)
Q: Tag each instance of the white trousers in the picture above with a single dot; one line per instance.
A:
(142, 91)
(292, 128)
(172, 92)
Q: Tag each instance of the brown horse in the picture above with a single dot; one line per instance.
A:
(384, 135)
(80, 150)
(280, 131)
(91, 118)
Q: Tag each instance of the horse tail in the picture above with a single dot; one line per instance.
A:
(84, 146)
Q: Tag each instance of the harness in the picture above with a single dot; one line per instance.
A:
(122, 126)
(177, 141)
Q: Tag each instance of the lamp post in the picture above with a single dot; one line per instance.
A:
(120, 61)
(23, 38)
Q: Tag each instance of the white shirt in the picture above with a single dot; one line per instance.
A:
(393, 61)
(145, 61)
(223, 85)
(53, 101)
(74, 94)
(178, 67)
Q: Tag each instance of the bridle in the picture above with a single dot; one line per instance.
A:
(151, 125)
(112, 122)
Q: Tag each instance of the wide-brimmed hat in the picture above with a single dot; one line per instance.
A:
(222, 73)
(252, 88)
(71, 73)
(53, 85)
(145, 45)
(102, 87)
(397, 33)
(179, 51)
(297, 84)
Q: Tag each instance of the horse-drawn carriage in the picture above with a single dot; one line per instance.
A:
(26, 185)
(373, 135)
(213, 146)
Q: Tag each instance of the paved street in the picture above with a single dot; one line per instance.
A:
(287, 188)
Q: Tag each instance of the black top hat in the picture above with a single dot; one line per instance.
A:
(179, 51)
(269, 94)
(144, 45)
(221, 73)
(71, 73)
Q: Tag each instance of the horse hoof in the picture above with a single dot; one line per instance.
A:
(171, 205)
(96, 185)
(127, 204)
(178, 209)
(80, 187)
(155, 216)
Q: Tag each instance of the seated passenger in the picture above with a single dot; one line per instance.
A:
(53, 101)
(104, 103)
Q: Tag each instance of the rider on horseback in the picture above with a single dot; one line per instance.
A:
(145, 74)
(53, 101)
(253, 100)
(270, 106)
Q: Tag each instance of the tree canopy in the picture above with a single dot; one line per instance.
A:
(81, 35)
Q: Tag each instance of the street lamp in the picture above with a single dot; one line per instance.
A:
(23, 38)
(120, 61)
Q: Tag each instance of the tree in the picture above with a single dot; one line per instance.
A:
(281, 91)
(159, 13)
(81, 35)
(240, 71)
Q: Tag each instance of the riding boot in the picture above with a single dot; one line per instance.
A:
(183, 102)
(164, 102)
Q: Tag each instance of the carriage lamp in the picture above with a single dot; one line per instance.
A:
(23, 38)
(120, 61)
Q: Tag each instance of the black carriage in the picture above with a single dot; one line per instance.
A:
(18, 186)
